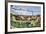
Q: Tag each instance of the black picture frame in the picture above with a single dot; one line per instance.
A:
(6, 16)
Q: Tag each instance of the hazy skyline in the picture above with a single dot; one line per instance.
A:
(25, 10)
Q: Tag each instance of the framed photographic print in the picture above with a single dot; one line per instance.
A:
(24, 16)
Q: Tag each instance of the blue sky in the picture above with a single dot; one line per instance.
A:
(25, 10)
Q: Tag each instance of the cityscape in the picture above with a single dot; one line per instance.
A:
(25, 16)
